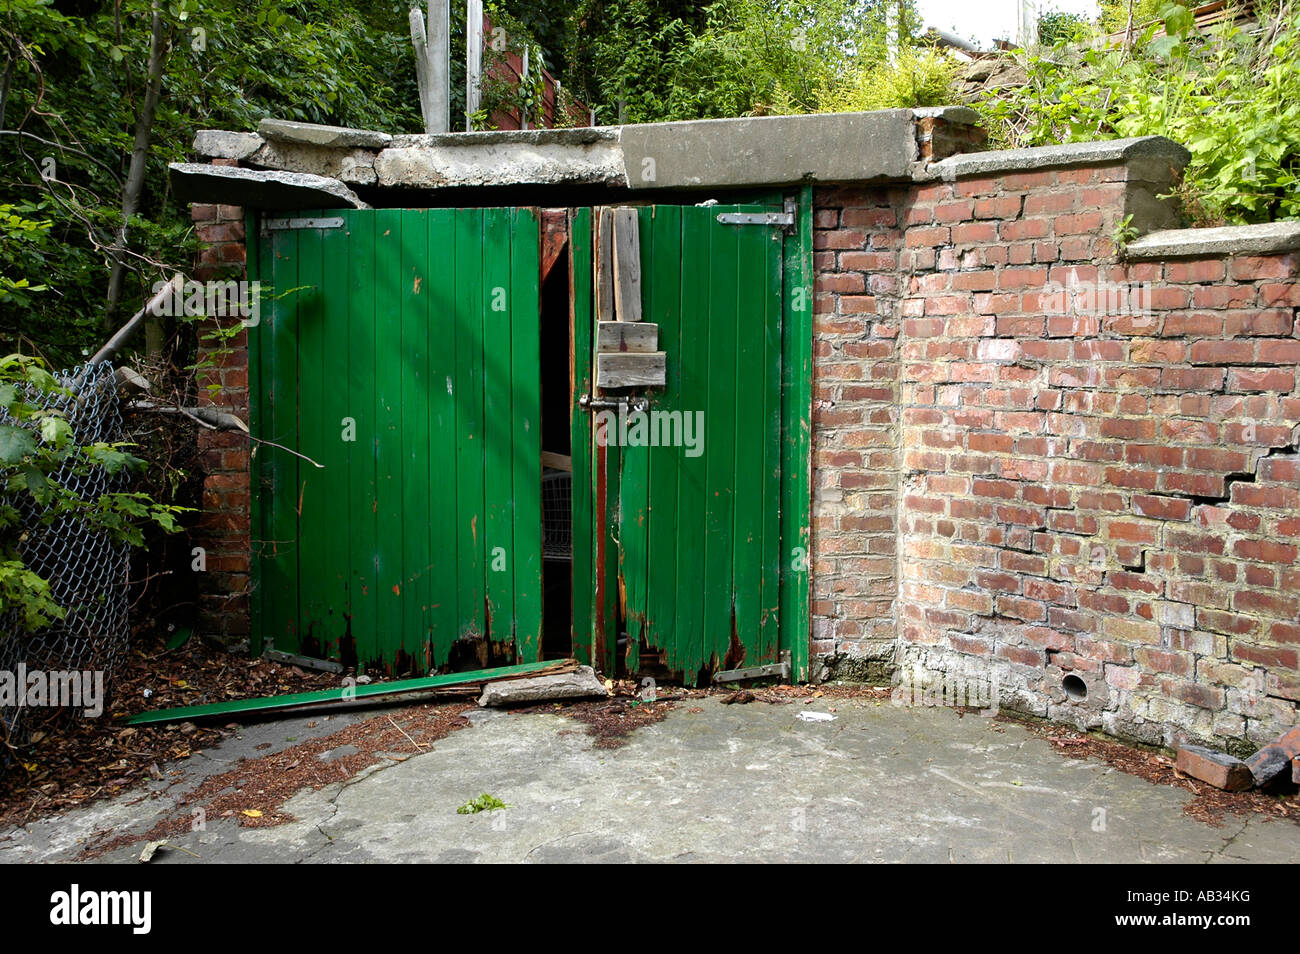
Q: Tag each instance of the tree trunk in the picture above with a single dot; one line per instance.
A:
(159, 47)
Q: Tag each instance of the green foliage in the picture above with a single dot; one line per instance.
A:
(76, 91)
(1231, 96)
(1115, 14)
(1056, 26)
(38, 459)
(484, 803)
(661, 61)
(916, 77)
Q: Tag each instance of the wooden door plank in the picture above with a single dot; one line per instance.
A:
(580, 349)
(627, 264)
(315, 519)
(749, 427)
(525, 344)
(664, 302)
(410, 364)
(639, 337)
(697, 268)
(498, 427)
(362, 499)
(279, 547)
(768, 649)
(719, 489)
(335, 406)
(625, 369)
(442, 472)
(604, 264)
(469, 422)
(389, 522)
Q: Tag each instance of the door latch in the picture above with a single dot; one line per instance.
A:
(631, 404)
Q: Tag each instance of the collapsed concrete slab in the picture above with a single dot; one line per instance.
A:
(579, 684)
(259, 189)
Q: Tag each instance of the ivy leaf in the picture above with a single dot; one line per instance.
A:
(55, 430)
(15, 443)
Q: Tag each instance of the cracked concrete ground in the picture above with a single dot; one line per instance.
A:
(726, 783)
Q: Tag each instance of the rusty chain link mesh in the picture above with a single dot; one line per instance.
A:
(86, 570)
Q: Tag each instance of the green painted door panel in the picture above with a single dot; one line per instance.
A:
(400, 358)
(698, 519)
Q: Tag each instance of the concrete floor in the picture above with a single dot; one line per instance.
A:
(728, 783)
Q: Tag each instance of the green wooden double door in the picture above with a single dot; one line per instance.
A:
(397, 382)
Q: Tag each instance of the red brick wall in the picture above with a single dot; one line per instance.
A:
(1092, 491)
(857, 241)
(224, 526)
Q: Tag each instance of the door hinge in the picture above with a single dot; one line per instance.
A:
(279, 225)
(783, 219)
(780, 669)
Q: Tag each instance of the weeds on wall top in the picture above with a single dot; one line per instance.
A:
(1231, 94)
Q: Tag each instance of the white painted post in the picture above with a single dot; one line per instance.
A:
(473, 59)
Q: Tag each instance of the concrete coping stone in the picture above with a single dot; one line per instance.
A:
(311, 134)
(578, 136)
(1063, 156)
(1268, 239)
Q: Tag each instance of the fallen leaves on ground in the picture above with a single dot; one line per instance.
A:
(254, 790)
(80, 760)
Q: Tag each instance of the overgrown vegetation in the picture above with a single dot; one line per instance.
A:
(1230, 94)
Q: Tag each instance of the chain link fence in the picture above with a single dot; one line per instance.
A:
(86, 570)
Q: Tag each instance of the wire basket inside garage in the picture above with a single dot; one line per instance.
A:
(557, 523)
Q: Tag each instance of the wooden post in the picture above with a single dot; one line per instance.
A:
(432, 64)
(473, 59)
(440, 65)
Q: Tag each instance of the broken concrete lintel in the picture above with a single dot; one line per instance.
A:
(1169, 154)
(579, 684)
(219, 144)
(311, 134)
(1268, 239)
(352, 166)
(952, 114)
(770, 150)
(259, 189)
(500, 163)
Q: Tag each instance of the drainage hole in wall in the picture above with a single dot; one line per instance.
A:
(1075, 688)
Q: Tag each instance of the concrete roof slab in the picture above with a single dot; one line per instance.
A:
(259, 189)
